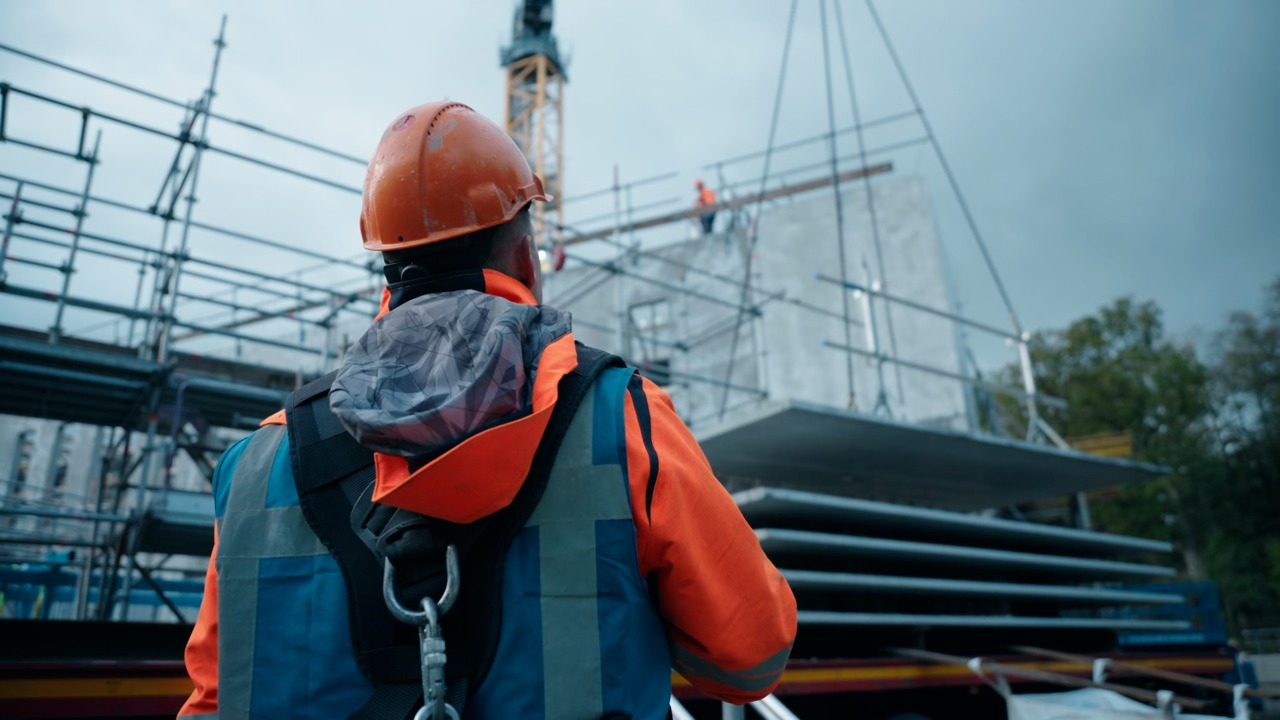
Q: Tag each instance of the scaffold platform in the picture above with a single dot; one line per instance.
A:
(95, 383)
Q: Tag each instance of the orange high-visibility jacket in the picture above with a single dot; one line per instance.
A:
(729, 615)
(706, 197)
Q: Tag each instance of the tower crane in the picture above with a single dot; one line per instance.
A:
(534, 107)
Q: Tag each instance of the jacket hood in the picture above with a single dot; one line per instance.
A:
(453, 391)
(441, 368)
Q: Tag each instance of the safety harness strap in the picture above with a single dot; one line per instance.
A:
(334, 476)
(326, 460)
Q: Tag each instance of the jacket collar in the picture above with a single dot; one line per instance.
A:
(490, 282)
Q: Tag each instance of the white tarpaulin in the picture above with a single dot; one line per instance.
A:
(1092, 703)
(1087, 704)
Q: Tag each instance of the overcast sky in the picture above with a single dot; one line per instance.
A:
(1106, 147)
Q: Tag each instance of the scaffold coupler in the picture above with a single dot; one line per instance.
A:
(430, 639)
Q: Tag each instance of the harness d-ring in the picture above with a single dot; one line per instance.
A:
(431, 641)
(447, 598)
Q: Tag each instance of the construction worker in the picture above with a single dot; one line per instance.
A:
(536, 508)
(706, 199)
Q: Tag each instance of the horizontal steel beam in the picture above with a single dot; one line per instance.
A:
(774, 540)
(63, 514)
(899, 585)
(823, 617)
(798, 506)
(1133, 668)
(79, 302)
(983, 667)
(850, 285)
(694, 212)
(1047, 400)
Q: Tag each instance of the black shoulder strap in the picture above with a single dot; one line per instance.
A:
(326, 460)
(333, 474)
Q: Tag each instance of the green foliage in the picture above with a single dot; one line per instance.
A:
(1249, 369)
(1243, 552)
(1216, 426)
(1118, 373)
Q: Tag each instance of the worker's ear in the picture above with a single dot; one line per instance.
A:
(528, 267)
(522, 265)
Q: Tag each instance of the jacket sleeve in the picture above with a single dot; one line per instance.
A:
(730, 615)
(202, 649)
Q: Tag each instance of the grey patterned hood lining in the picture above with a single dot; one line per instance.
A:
(441, 368)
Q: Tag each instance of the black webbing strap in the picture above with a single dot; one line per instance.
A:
(397, 700)
(325, 459)
(334, 473)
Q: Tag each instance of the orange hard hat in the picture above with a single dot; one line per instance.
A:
(440, 171)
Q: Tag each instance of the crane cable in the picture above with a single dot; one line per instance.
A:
(835, 183)
(866, 183)
(946, 169)
(754, 225)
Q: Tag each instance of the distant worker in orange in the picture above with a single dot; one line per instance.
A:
(706, 199)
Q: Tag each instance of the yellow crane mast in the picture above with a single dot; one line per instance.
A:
(534, 107)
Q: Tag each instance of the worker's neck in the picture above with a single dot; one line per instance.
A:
(487, 281)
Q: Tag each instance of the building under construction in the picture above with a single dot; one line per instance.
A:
(811, 340)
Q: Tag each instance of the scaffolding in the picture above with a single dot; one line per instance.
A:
(612, 251)
(171, 351)
(157, 334)
(173, 348)
(869, 302)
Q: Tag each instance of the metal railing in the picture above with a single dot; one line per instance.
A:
(138, 275)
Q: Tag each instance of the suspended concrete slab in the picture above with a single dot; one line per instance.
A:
(849, 548)
(770, 510)
(815, 617)
(825, 450)
(951, 587)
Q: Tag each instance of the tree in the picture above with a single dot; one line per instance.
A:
(1118, 373)
(1243, 499)
(1216, 427)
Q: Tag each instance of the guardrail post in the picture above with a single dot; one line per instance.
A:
(82, 211)
(1028, 386)
(10, 220)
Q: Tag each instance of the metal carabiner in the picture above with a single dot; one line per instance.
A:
(430, 639)
(446, 712)
(447, 598)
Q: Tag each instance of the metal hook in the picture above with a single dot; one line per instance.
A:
(447, 711)
(430, 611)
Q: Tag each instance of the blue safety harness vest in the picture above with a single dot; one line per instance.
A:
(573, 631)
